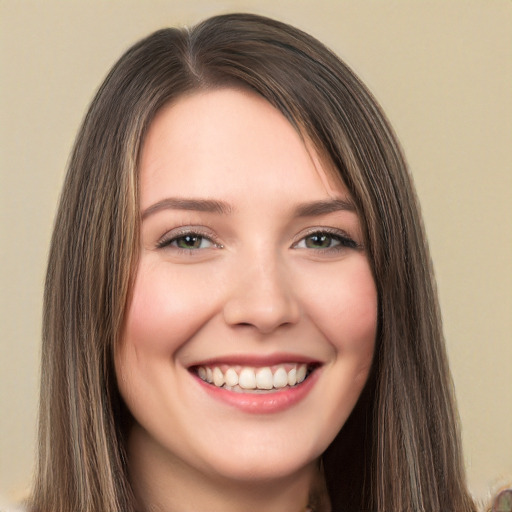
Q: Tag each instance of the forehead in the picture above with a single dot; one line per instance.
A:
(228, 141)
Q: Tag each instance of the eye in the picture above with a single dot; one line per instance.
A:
(191, 241)
(187, 241)
(320, 241)
(326, 240)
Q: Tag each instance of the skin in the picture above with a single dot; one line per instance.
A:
(256, 284)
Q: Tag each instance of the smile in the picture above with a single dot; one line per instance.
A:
(248, 379)
(257, 384)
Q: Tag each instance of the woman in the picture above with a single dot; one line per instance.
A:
(240, 312)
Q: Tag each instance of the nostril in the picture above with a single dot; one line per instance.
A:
(263, 299)
(264, 319)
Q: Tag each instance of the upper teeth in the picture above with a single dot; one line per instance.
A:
(254, 378)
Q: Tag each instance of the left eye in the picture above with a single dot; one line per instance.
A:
(322, 240)
(189, 241)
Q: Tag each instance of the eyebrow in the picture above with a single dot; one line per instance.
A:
(199, 205)
(310, 209)
(317, 208)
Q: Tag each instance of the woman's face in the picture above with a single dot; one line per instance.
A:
(251, 272)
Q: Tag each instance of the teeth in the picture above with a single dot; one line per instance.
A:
(247, 379)
(301, 373)
(218, 377)
(292, 377)
(231, 377)
(266, 378)
(280, 378)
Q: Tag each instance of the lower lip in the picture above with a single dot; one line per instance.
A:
(262, 403)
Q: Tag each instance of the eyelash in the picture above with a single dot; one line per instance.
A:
(169, 239)
(343, 240)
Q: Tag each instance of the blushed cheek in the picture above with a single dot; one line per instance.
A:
(347, 314)
(162, 316)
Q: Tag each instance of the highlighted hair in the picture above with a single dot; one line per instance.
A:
(400, 448)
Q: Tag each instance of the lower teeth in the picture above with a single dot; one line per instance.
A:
(238, 389)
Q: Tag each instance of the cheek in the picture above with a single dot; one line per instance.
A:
(165, 311)
(346, 314)
(345, 310)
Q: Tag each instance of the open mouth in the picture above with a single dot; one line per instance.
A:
(249, 379)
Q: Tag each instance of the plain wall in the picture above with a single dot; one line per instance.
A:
(442, 70)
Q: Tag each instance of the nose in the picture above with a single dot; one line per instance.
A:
(261, 295)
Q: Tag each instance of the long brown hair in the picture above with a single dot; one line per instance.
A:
(400, 449)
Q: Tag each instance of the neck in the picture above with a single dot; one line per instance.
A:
(162, 483)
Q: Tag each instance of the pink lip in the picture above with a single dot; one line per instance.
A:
(261, 403)
(256, 360)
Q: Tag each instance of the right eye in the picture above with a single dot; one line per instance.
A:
(189, 241)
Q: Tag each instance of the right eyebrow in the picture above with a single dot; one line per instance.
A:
(178, 203)
(317, 208)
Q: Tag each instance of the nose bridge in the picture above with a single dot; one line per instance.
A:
(261, 292)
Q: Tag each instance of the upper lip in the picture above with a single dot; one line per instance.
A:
(256, 360)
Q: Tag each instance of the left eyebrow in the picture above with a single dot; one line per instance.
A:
(316, 208)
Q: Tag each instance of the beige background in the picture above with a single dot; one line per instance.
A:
(442, 71)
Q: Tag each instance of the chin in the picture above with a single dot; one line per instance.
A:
(257, 470)
(263, 460)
